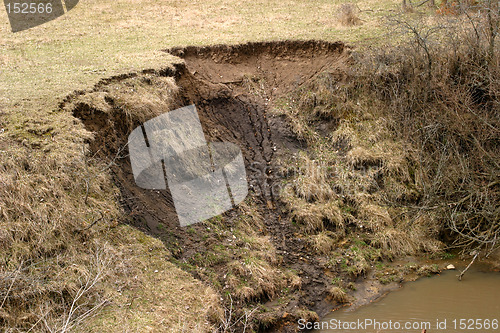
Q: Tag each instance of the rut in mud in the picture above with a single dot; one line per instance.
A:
(234, 89)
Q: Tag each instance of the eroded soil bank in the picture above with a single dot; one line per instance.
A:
(258, 256)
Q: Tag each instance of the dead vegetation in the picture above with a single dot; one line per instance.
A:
(446, 104)
(350, 174)
(338, 294)
(65, 258)
(403, 143)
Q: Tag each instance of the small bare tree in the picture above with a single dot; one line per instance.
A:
(492, 9)
(231, 323)
(81, 307)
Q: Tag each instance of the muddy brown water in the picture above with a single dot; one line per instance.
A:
(439, 304)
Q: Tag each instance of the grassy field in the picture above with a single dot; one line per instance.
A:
(70, 242)
(102, 38)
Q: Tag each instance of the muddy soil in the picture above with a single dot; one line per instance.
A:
(234, 89)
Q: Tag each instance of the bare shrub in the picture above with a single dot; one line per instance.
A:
(413, 138)
(347, 14)
(444, 100)
(235, 320)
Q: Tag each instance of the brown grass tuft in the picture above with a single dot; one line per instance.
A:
(323, 242)
(338, 294)
(254, 279)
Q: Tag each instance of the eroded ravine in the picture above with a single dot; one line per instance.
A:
(233, 88)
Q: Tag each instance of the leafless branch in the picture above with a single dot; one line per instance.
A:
(468, 266)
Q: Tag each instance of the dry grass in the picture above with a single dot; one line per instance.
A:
(103, 38)
(352, 173)
(307, 315)
(315, 101)
(323, 242)
(258, 275)
(59, 210)
(448, 112)
(254, 279)
(312, 183)
(338, 294)
(52, 227)
(315, 216)
(153, 294)
(374, 217)
(54, 242)
(356, 170)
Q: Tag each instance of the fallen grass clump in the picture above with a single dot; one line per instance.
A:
(428, 270)
(323, 242)
(254, 279)
(312, 183)
(338, 294)
(258, 275)
(316, 216)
